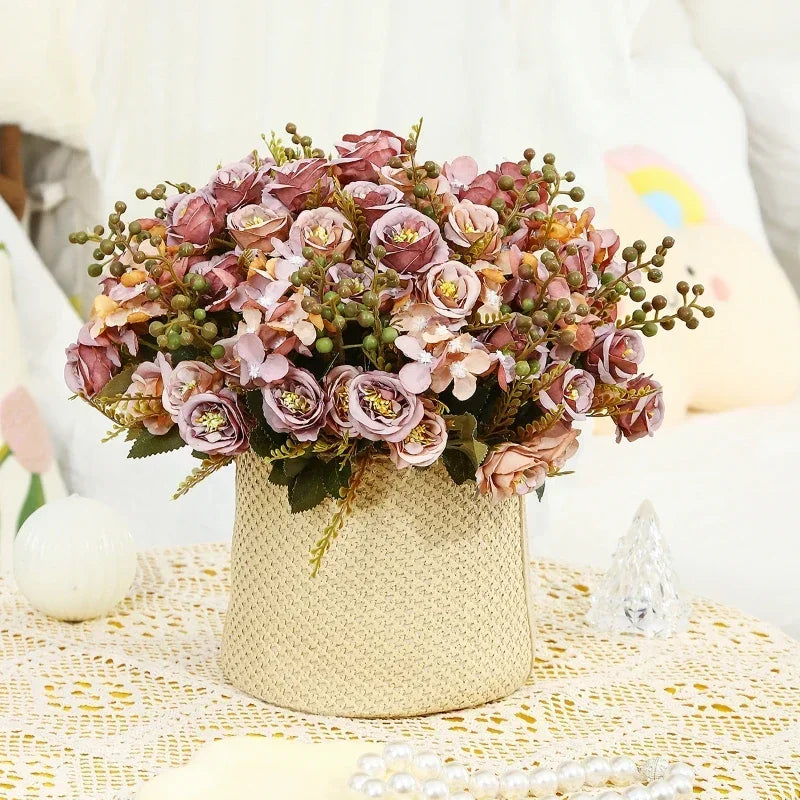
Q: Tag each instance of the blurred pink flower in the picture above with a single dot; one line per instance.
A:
(25, 432)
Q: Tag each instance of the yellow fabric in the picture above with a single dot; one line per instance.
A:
(94, 709)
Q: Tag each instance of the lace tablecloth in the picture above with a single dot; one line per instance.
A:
(90, 710)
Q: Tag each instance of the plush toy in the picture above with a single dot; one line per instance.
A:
(12, 186)
(722, 366)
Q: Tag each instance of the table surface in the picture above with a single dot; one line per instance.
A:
(90, 710)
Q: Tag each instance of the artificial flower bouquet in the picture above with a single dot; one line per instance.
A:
(327, 311)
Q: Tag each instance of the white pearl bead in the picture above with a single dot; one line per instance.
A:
(514, 785)
(637, 792)
(403, 783)
(679, 768)
(609, 795)
(653, 769)
(397, 756)
(623, 771)
(461, 796)
(661, 790)
(374, 788)
(571, 776)
(426, 765)
(357, 781)
(597, 770)
(456, 776)
(543, 782)
(435, 789)
(484, 784)
(372, 764)
(681, 784)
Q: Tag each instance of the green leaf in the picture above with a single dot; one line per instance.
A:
(261, 442)
(277, 474)
(540, 492)
(254, 401)
(461, 436)
(336, 475)
(459, 465)
(148, 445)
(307, 489)
(187, 353)
(294, 466)
(119, 383)
(33, 499)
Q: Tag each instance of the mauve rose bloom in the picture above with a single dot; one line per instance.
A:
(375, 199)
(337, 393)
(643, 416)
(295, 405)
(192, 218)
(325, 230)
(424, 444)
(484, 187)
(147, 381)
(223, 273)
(91, 363)
(412, 240)
(24, 431)
(362, 155)
(451, 288)
(234, 185)
(509, 470)
(556, 445)
(615, 355)
(292, 183)
(468, 223)
(254, 227)
(460, 173)
(213, 423)
(381, 409)
(574, 389)
(185, 380)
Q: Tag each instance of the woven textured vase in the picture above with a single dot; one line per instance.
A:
(421, 605)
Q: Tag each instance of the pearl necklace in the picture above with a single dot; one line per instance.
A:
(400, 773)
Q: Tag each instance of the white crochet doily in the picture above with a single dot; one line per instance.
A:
(90, 710)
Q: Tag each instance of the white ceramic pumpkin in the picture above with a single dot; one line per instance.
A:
(74, 559)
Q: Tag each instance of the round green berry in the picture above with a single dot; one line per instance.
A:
(389, 334)
(650, 329)
(217, 351)
(370, 342)
(522, 368)
(324, 345)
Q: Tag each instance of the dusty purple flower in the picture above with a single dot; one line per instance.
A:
(362, 155)
(255, 226)
(256, 366)
(424, 444)
(381, 408)
(467, 223)
(147, 383)
(325, 230)
(451, 288)
(295, 405)
(580, 262)
(293, 182)
(615, 355)
(337, 389)
(192, 218)
(234, 185)
(412, 240)
(640, 416)
(213, 423)
(223, 273)
(574, 389)
(91, 363)
(185, 380)
(375, 199)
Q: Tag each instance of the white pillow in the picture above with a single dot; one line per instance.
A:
(767, 86)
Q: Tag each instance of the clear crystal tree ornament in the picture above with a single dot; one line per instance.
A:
(640, 592)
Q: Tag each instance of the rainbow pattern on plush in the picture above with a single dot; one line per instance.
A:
(662, 186)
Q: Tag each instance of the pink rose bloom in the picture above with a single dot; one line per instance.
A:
(467, 223)
(463, 359)
(256, 366)
(235, 185)
(91, 363)
(375, 199)
(574, 389)
(460, 173)
(147, 382)
(254, 227)
(484, 187)
(295, 405)
(412, 241)
(185, 380)
(380, 408)
(223, 273)
(325, 230)
(337, 393)
(25, 432)
(615, 355)
(213, 423)
(293, 182)
(424, 444)
(511, 470)
(362, 155)
(451, 288)
(643, 416)
(556, 445)
(192, 218)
